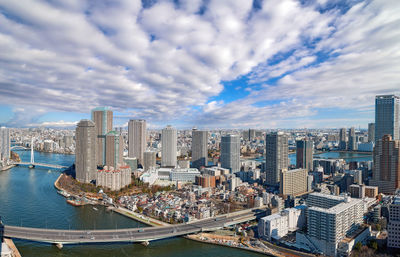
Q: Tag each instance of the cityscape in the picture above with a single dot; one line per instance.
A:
(199, 128)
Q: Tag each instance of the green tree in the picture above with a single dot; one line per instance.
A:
(358, 246)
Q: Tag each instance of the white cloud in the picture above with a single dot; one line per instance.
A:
(159, 62)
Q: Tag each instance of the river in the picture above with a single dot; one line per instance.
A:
(28, 198)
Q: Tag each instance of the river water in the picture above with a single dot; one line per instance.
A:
(28, 198)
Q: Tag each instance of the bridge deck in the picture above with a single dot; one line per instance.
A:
(124, 235)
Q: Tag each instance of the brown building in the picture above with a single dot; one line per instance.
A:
(205, 181)
(293, 182)
(386, 169)
(103, 118)
(304, 154)
(371, 191)
(114, 149)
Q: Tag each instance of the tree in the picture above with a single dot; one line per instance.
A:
(373, 244)
(378, 227)
(358, 246)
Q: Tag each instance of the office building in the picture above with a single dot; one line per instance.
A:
(386, 165)
(276, 156)
(330, 218)
(137, 139)
(393, 226)
(357, 191)
(371, 191)
(132, 162)
(205, 181)
(371, 132)
(114, 149)
(342, 139)
(5, 144)
(85, 153)
(168, 147)
(199, 148)
(230, 153)
(304, 154)
(387, 111)
(149, 160)
(103, 118)
(352, 144)
(293, 182)
(184, 175)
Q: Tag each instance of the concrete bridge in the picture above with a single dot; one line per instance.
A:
(147, 234)
(38, 164)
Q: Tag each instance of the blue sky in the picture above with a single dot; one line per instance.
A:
(204, 63)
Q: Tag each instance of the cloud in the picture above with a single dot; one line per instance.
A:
(54, 124)
(165, 61)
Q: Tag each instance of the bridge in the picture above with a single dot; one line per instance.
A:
(19, 148)
(38, 164)
(147, 234)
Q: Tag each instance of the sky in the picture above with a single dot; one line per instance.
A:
(204, 63)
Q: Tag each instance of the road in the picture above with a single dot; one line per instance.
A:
(125, 235)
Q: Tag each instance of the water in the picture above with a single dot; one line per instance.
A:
(28, 197)
(348, 156)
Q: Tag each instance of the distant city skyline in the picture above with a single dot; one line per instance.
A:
(207, 64)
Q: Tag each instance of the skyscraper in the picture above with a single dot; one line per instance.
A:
(342, 139)
(168, 147)
(352, 145)
(137, 139)
(371, 132)
(85, 157)
(304, 154)
(276, 158)
(149, 161)
(387, 111)
(293, 182)
(199, 148)
(114, 149)
(230, 153)
(386, 165)
(5, 144)
(103, 118)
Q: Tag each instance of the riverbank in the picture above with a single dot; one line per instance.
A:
(9, 242)
(138, 217)
(231, 242)
(7, 167)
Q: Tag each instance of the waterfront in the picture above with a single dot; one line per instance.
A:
(28, 197)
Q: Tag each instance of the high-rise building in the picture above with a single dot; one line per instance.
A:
(352, 145)
(103, 118)
(199, 148)
(149, 160)
(252, 134)
(293, 182)
(393, 226)
(371, 132)
(114, 149)
(386, 165)
(304, 154)
(5, 144)
(230, 153)
(387, 111)
(330, 218)
(85, 153)
(137, 139)
(276, 158)
(342, 139)
(168, 147)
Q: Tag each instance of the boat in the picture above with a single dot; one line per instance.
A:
(63, 193)
(94, 208)
(75, 202)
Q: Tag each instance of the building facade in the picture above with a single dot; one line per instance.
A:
(386, 165)
(199, 148)
(168, 147)
(85, 153)
(387, 111)
(293, 182)
(5, 144)
(276, 156)
(352, 145)
(342, 139)
(230, 153)
(393, 226)
(149, 160)
(114, 179)
(103, 118)
(136, 139)
(304, 154)
(371, 132)
(114, 149)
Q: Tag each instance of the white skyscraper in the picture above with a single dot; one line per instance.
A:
(137, 139)
(230, 153)
(199, 148)
(276, 156)
(5, 144)
(169, 147)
